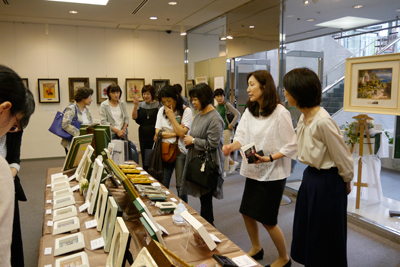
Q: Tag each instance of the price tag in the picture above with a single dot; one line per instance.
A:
(48, 211)
(49, 185)
(71, 178)
(83, 207)
(167, 192)
(49, 223)
(143, 172)
(76, 187)
(57, 175)
(244, 261)
(174, 199)
(151, 178)
(91, 224)
(47, 251)
(48, 201)
(139, 168)
(156, 184)
(97, 243)
(215, 239)
(48, 265)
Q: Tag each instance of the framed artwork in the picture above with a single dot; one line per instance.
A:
(144, 258)
(188, 85)
(81, 170)
(74, 84)
(101, 87)
(119, 244)
(63, 202)
(94, 185)
(64, 213)
(109, 223)
(202, 79)
(66, 225)
(372, 84)
(58, 179)
(60, 185)
(101, 206)
(77, 259)
(133, 87)
(159, 83)
(49, 90)
(69, 243)
(76, 151)
(62, 193)
(25, 81)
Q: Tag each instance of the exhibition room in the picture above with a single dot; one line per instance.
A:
(93, 190)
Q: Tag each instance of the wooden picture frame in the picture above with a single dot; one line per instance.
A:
(101, 206)
(120, 239)
(49, 90)
(94, 185)
(25, 82)
(109, 223)
(81, 170)
(77, 149)
(158, 84)
(78, 259)
(372, 84)
(101, 88)
(68, 243)
(74, 84)
(66, 225)
(133, 86)
(64, 213)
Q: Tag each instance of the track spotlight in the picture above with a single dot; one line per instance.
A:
(306, 2)
(183, 32)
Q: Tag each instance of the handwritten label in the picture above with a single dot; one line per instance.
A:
(47, 251)
(91, 224)
(48, 211)
(49, 223)
(83, 207)
(97, 243)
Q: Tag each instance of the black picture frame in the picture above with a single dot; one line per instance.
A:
(74, 84)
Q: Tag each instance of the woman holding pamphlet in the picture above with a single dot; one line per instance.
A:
(268, 125)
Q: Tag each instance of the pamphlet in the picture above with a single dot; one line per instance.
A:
(248, 153)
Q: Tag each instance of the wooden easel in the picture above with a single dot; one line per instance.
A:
(361, 127)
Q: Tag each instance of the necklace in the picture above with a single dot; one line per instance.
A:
(147, 112)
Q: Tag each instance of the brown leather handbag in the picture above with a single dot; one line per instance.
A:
(170, 151)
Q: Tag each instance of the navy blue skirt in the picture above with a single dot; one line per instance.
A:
(320, 220)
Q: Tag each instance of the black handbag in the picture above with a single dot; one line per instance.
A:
(203, 171)
(155, 160)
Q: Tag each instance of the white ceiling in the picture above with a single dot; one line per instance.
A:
(118, 14)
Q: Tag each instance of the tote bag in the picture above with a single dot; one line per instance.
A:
(155, 160)
(203, 171)
(56, 128)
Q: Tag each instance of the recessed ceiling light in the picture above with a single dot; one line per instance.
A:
(357, 6)
(306, 2)
(153, 18)
(289, 16)
(172, 3)
(90, 2)
(348, 22)
(73, 12)
(310, 20)
(251, 27)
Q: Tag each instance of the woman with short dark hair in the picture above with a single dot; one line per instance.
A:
(145, 114)
(83, 99)
(207, 129)
(113, 113)
(268, 124)
(320, 218)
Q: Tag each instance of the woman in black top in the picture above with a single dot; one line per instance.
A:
(145, 114)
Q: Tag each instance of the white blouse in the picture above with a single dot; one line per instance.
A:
(271, 134)
(321, 144)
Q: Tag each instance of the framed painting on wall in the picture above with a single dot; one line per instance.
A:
(159, 83)
(101, 86)
(49, 90)
(25, 81)
(372, 84)
(133, 87)
(75, 84)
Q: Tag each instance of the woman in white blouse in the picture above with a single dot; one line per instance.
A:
(113, 113)
(268, 124)
(320, 219)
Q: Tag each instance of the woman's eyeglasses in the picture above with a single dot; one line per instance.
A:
(16, 127)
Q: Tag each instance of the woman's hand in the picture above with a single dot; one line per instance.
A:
(121, 133)
(136, 100)
(230, 127)
(188, 140)
(226, 149)
(348, 185)
(169, 112)
(261, 159)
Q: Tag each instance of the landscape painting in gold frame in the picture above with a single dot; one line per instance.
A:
(372, 84)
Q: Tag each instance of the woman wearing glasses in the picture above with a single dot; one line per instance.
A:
(16, 107)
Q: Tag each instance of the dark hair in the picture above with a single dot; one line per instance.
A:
(270, 96)
(219, 91)
(304, 86)
(113, 88)
(204, 93)
(12, 89)
(83, 93)
(178, 87)
(149, 88)
(171, 91)
(28, 109)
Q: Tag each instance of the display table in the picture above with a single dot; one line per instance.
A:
(193, 255)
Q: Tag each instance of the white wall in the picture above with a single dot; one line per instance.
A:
(70, 51)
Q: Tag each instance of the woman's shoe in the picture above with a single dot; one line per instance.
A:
(288, 264)
(259, 255)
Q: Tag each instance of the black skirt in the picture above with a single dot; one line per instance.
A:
(261, 200)
(320, 220)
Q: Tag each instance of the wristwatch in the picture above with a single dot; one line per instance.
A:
(270, 157)
(193, 141)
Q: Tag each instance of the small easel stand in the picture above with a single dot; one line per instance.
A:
(362, 126)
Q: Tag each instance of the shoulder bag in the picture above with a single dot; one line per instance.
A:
(170, 151)
(155, 161)
(203, 171)
(56, 126)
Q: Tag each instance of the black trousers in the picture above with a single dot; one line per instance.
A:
(17, 252)
(206, 207)
(320, 220)
(145, 145)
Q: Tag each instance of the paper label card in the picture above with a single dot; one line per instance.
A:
(156, 184)
(48, 201)
(97, 243)
(76, 187)
(48, 265)
(143, 172)
(48, 211)
(167, 192)
(139, 168)
(244, 261)
(47, 251)
(151, 178)
(91, 224)
(49, 185)
(83, 207)
(57, 175)
(174, 199)
(49, 223)
(216, 239)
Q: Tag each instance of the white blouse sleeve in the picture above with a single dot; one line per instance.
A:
(287, 135)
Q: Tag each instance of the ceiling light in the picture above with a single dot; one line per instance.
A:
(310, 20)
(348, 22)
(306, 2)
(357, 6)
(222, 37)
(229, 36)
(183, 32)
(172, 3)
(90, 2)
(251, 27)
(73, 12)
(153, 18)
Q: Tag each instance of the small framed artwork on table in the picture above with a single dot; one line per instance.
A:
(49, 90)
(159, 83)
(101, 86)
(74, 84)
(25, 81)
(133, 88)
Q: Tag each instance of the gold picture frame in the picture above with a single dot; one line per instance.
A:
(372, 84)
